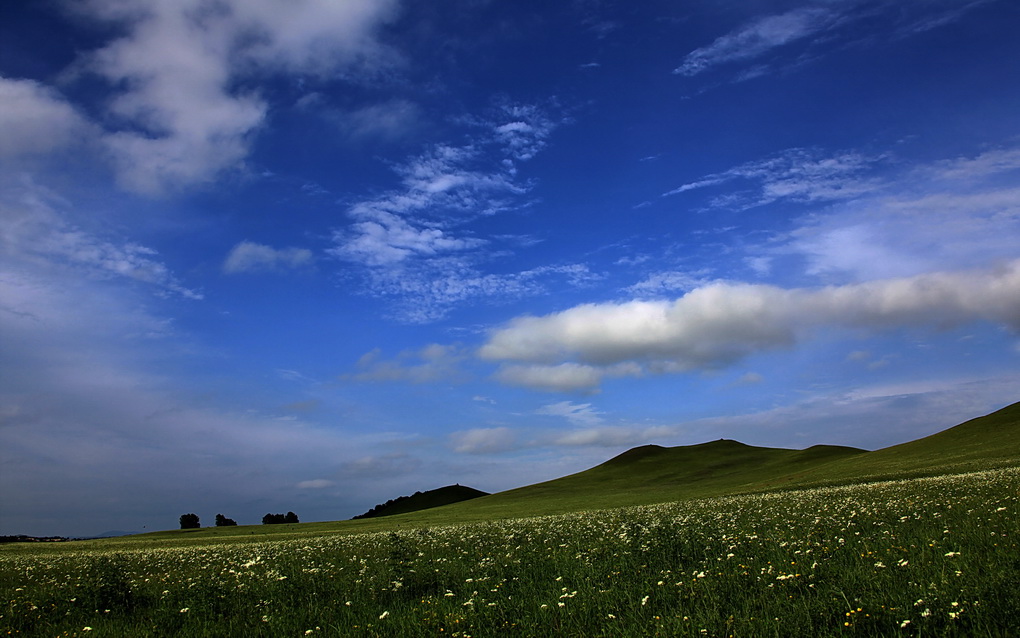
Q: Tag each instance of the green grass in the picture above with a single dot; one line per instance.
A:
(931, 557)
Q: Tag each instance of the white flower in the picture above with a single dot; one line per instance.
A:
(644, 601)
(383, 615)
(952, 554)
(904, 624)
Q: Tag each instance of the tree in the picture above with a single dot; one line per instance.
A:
(190, 521)
(223, 521)
(275, 519)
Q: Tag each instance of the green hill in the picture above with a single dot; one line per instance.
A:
(989, 441)
(655, 474)
(424, 500)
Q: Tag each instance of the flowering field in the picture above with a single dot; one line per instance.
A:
(923, 557)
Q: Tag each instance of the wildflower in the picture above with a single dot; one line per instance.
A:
(185, 610)
(952, 554)
(644, 601)
(309, 632)
(383, 615)
(904, 623)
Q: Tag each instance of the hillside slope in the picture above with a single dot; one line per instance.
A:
(655, 474)
(992, 440)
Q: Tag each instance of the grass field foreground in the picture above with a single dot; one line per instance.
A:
(931, 556)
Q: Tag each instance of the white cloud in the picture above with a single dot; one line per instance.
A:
(952, 214)
(797, 174)
(411, 243)
(660, 283)
(38, 237)
(315, 484)
(182, 120)
(757, 38)
(817, 25)
(575, 413)
(717, 325)
(562, 377)
(35, 119)
(249, 256)
(614, 436)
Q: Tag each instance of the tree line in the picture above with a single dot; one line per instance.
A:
(191, 521)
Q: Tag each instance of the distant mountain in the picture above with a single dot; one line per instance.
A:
(424, 500)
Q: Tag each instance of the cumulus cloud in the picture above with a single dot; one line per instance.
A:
(249, 256)
(35, 119)
(720, 324)
(181, 119)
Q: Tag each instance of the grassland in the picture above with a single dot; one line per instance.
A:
(930, 556)
(730, 555)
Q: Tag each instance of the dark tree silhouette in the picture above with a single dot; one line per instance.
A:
(190, 521)
(223, 521)
(275, 519)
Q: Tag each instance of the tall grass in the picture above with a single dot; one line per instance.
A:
(923, 557)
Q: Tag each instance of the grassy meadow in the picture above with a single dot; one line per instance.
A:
(934, 556)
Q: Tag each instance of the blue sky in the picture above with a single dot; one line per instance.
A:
(310, 255)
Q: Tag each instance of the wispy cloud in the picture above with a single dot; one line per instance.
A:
(413, 244)
(38, 235)
(485, 440)
(961, 213)
(249, 256)
(797, 174)
(813, 27)
(432, 363)
(758, 37)
(575, 413)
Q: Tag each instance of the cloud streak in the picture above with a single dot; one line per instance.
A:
(717, 325)
(757, 38)
(249, 256)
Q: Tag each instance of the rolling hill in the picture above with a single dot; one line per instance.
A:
(654, 474)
